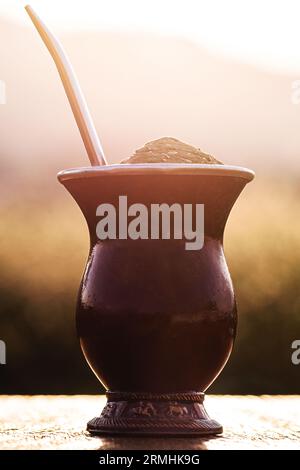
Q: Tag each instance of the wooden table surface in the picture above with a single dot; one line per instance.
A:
(58, 422)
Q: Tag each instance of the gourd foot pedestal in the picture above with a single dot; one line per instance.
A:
(180, 414)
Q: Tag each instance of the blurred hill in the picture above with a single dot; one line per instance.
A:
(140, 87)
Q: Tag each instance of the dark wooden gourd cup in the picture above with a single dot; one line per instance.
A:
(156, 322)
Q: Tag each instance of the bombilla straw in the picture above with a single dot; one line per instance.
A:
(73, 91)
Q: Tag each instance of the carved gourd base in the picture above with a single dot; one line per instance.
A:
(181, 414)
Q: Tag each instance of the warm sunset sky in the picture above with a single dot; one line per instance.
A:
(216, 74)
(263, 32)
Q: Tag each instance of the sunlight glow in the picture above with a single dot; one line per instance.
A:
(263, 32)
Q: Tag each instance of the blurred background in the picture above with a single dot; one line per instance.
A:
(222, 76)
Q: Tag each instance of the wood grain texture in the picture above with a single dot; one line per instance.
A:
(58, 422)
